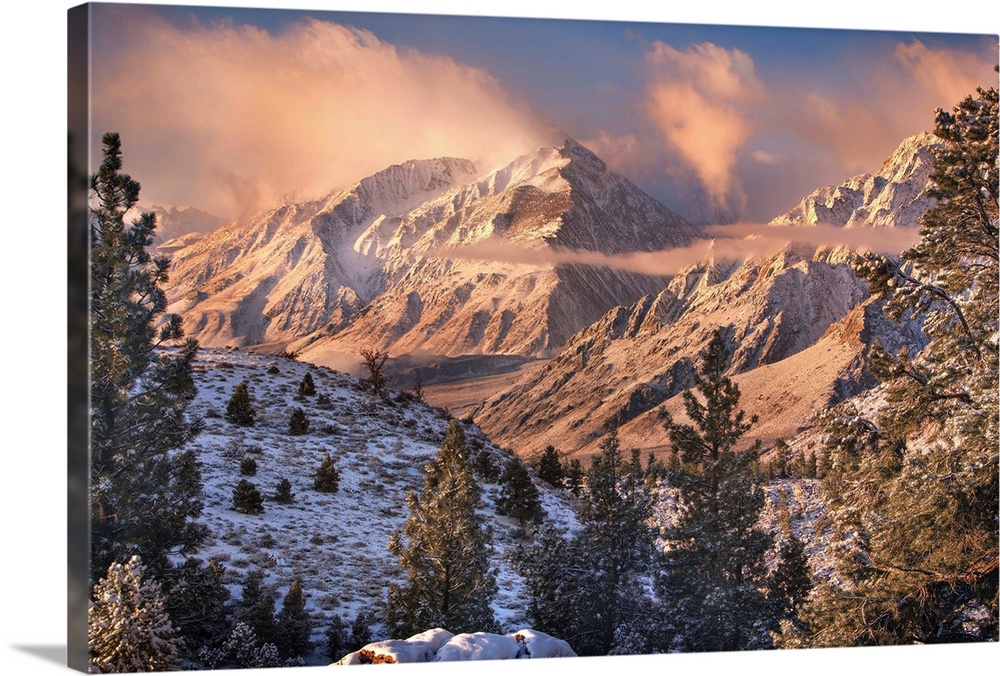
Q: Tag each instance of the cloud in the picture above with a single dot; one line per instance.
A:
(698, 100)
(736, 241)
(229, 117)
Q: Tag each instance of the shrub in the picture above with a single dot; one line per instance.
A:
(248, 467)
(247, 499)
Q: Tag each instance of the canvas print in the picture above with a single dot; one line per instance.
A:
(421, 338)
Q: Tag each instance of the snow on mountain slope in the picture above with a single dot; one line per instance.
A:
(336, 543)
(425, 257)
(796, 312)
(891, 197)
(295, 268)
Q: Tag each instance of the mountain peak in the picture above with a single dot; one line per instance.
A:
(894, 196)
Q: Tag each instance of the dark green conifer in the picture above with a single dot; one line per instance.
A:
(443, 548)
(307, 387)
(283, 492)
(247, 499)
(548, 466)
(298, 424)
(294, 627)
(518, 496)
(918, 482)
(256, 608)
(327, 477)
(715, 562)
(145, 498)
(239, 410)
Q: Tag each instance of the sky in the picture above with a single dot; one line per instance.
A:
(34, 505)
(231, 109)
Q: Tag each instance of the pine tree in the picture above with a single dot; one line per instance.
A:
(336, 638)
(518, 496)
(616, 531)
(283, 492)
(917, 483)
(444, 549)
(198, 603)
(239, 410)
(247, 498)
(307, 387)
(248, 467)
(145, 495)
(589, 589)
(129, 628)
(294, 627)
(256, 608)
(548, 466)
(298, 424)
(327, 477)
(574, 476)
(715, 563)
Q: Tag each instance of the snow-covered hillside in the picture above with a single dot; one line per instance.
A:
(334, 543)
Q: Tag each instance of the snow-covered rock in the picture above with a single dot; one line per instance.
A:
(522, 644)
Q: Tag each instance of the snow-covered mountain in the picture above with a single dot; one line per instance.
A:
(429, 256)
(891, 197)
(800, 323)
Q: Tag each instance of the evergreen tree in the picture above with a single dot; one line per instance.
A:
(574, 476)
(327, 477)
(247, 499)
(589, 589)
(548, 466)
(917, 483)
(198, 603)
(283, 492)
(307, 387)
(558, 573)
(239, 410)
(129, 627)
(443, 548)
(256, 609)
(518, 496)
(242, 650)
(336, 638)
(248, 467)
(616, 531)
(145, 496)
(714, 570)
(656, 471)
(294, 627)
(298, 424)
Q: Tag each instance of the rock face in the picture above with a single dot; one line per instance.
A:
(892, 197)
(427, 257)
(799, 321)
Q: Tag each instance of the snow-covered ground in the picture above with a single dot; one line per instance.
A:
(334, 543)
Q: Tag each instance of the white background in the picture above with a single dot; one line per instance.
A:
(33, 310)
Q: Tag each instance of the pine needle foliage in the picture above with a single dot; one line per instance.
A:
(130, 630)
(145, 495)
(915, 488)
(444, 550)
(714, 572)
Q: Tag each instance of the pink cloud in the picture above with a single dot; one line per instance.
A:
(213, 114)
(698, 100)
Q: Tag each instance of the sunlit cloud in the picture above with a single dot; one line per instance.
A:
(698, 100)
(231, 117)
(737, 241)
